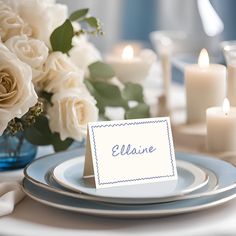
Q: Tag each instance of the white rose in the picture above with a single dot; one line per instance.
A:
(70, 113)
(43, 16)
(83, 54)
(55, 68)
(69, 80)
(17, 92)
(31, 51)
(11, 24)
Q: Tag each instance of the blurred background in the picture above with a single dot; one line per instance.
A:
(196, 24)
(135, 19)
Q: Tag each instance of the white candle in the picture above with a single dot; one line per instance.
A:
(205, 87)
(129, 67)
(221, 128)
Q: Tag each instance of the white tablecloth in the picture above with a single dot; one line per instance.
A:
(32, 218)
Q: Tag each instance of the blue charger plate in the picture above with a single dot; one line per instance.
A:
(124, 211)
(37, 186)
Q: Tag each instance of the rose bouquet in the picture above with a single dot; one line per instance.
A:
(52, 80)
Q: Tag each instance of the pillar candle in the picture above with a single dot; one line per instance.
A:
(129, 67)
(231, 83)
(221, 128)
(205, 87)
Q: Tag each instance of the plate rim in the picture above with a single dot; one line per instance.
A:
(82, 196)
(44, 157)
(77, 160)
(111, 200)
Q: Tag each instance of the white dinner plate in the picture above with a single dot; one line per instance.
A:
(211, 185)
(69, 174)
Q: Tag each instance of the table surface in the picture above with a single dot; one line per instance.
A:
(33, 218)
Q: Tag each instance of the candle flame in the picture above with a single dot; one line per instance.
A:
(128, 52)
(203, 60)
(226, 106)
(227, 48)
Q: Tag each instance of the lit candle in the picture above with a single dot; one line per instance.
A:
(118, 48)
(128, 53)
(221, 128)
(205, 87)
(130, 67)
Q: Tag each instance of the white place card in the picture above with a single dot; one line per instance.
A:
(130, 152)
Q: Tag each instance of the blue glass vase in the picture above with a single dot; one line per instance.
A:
(15, 152)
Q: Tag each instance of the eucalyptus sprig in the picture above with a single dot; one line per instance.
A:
(61, 38)
(92, 24)
(108, 94)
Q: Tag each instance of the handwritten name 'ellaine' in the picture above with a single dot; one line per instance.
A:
(123, 150)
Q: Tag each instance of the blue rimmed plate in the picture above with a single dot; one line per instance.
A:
(222, 176)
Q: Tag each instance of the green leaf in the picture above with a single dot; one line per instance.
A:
(40, 134)
(100, 70)
(61, 37)
(93, 22)
(89, 86)
(133, 92)
(60, 145)
(35, 137)
(140, 111)
(78, 15)
(108, 94)
(100, 105)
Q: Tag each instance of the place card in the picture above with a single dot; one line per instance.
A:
(130, 152)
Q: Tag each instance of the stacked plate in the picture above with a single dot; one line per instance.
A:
(57, 180)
